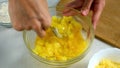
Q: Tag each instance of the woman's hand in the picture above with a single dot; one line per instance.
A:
(85, 6)
(30, 14)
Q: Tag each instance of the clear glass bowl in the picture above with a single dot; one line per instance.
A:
(87, 32)
(4, 15)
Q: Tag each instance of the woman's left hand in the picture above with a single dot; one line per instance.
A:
(85, 6)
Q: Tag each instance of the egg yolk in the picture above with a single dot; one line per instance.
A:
(71, 45)
(105, 63)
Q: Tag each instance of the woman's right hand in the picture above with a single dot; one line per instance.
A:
(30, 14)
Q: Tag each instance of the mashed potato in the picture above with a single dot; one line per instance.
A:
(71, 45)
(105, 63)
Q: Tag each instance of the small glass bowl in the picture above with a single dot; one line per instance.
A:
(87, 32)
(4, 15)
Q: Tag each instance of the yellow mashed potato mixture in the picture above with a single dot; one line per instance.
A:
(105, 63)
(71, 45)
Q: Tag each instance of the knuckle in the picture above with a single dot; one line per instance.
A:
(35, 27)
(37, 30)
(18, 27)
(46, 23)
(28, 28)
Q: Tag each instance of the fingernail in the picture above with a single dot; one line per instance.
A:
(84, 12)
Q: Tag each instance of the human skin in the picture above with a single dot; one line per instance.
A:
(85, 6)
(34, 14)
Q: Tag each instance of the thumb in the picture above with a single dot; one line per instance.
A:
(86, 7)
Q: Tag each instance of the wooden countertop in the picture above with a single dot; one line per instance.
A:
(108, 28)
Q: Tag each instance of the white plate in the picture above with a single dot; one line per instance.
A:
(109, 53)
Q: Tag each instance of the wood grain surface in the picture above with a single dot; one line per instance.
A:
(108, 28)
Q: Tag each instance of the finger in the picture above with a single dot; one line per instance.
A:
(70, 13)
(43, 13)
(17, 26)
(26, 14)
(39, 12)
(16, 22)
(86, 7)
(36, 26)
(70, 5)
(77, 4)
(27, 27)
(73, 4)
(66, 10)
(45, 20)
(97, 10)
